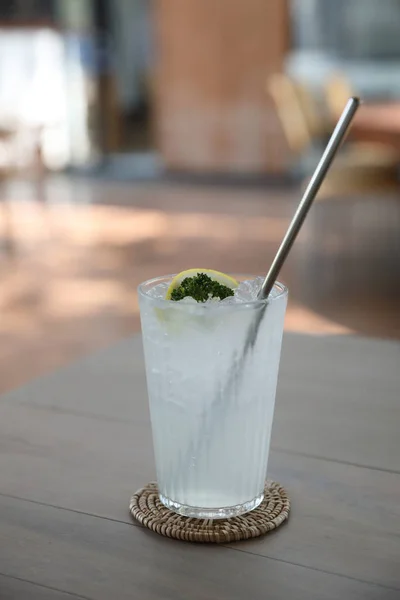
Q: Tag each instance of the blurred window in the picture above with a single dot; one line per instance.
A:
(26, 10)
(348, 29)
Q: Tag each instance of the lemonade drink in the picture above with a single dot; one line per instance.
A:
(211, 412)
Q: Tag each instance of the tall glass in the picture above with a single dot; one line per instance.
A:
(211, 412)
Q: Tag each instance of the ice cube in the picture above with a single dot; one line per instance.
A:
(159, 291)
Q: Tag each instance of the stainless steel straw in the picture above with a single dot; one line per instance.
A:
(269, 281)
(309, 195)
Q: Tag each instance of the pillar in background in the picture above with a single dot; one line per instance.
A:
(212, 61)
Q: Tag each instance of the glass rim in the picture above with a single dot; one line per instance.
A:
(283, 292)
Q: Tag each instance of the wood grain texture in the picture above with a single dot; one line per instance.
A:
(16, 589)
(344, 519)
(80, 439)
(100, 559)
(339, 398)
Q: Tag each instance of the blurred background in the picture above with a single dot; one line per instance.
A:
(139, 138)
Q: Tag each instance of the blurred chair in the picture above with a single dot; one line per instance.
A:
(314, 111)
(361, 168)
(337, 91)
(290, 113)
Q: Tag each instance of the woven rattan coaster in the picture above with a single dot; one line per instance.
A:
(146, 507)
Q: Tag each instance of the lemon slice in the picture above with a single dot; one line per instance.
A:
(176, 321)
(221, 278)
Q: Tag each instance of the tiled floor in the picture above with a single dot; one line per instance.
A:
(72, 254)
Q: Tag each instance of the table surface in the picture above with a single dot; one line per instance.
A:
(74, 446)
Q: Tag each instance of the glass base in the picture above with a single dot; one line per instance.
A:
(226, 512)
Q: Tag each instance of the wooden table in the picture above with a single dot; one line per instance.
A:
(76, 444)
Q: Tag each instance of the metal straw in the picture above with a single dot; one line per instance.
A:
(309, 195)
(316, 180)
(209, 419)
